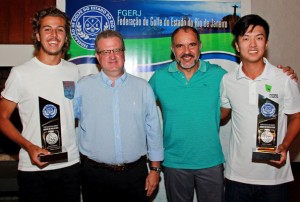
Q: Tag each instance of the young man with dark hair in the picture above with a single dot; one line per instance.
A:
(254, 94)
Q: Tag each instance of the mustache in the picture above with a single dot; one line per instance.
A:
(54, 38)
(187, 55)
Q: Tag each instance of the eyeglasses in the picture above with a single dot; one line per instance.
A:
(116, 51)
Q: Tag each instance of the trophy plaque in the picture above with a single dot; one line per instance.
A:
(267, 123)
(51, 132)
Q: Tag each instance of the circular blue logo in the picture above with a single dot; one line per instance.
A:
(88, 22)
(49, 111)
(268, 109)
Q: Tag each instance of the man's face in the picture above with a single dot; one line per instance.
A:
(111, 62)
(186, 49)
(52, 35)
(253, 44)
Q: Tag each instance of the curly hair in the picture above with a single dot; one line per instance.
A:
(36, 25)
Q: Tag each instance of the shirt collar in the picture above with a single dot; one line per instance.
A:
(266, 74)
(108, 82)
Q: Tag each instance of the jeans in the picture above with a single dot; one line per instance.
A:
(241, 192)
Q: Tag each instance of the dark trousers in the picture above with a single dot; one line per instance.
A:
(101, 184)
(237, 192)
(61, 185)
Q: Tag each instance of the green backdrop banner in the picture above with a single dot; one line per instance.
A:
(146, 27)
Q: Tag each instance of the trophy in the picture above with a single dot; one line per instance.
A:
(51, 132)
(266, 139)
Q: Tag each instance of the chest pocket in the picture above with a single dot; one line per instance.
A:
(69, 89)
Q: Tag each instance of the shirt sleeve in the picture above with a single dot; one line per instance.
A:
(225, 103)
(152, 84)
(292, 97)
(153, 129)
(13, 87)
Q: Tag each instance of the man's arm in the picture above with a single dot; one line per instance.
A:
(292, 132)
(7, 128)
(225, 115)
(154, 142)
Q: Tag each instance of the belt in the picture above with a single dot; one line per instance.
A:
(115, 168)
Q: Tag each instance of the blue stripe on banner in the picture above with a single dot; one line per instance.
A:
(223, 56)
(153, 67)
(84, 60)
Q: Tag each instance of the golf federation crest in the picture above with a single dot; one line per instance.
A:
(268, 109)
(49, 111)
(88, 22)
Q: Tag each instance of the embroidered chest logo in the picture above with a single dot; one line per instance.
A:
(268, 89)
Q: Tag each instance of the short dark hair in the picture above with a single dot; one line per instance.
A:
(108, 34)
(36, 25)
(240, 28)
(185, 28)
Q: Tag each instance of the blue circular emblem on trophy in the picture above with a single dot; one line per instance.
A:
(268, 109)
(49, 111)
(88, 22)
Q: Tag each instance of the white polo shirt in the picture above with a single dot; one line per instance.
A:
(240, 93)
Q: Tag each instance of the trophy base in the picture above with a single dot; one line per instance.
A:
(258, 155)
(54, 157)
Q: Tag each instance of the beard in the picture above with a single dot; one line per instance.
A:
(196, 59)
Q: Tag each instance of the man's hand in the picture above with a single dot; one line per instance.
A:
(281, 150)
(34, 151)
(152, 182)
(289, 71)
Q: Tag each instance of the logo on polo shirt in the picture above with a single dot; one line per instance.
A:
(268, 88)
(273, 96)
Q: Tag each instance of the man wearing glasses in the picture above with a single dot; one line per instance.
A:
(119, 128)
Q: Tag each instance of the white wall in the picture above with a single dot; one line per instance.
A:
(283, 17)
(284, 43)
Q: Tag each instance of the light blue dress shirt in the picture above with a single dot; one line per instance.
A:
(117, 124)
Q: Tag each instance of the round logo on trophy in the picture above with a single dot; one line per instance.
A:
(268, 109)
(267, 136)
(51, 138)
(49, 111)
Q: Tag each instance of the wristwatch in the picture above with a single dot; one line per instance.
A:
(156, 169)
